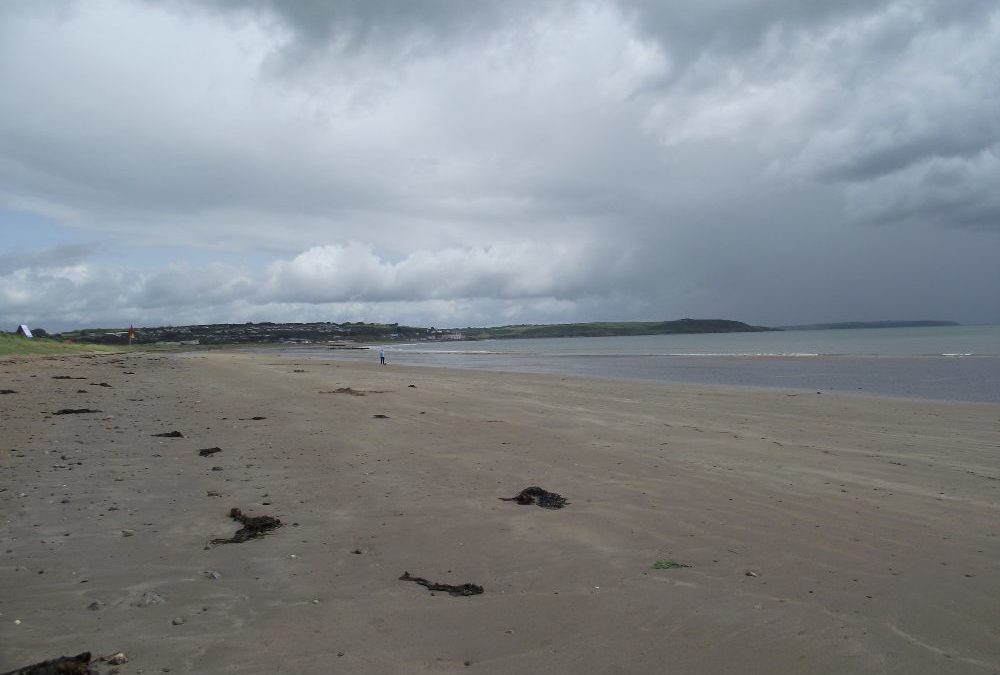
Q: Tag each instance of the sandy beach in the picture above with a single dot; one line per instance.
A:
(821, 533)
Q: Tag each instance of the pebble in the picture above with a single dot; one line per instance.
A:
(212, 574)
(149, 598)
(177, 621)
(117, 659)
(128, 533)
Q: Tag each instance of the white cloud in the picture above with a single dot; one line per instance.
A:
(353, 271)
(452, 284)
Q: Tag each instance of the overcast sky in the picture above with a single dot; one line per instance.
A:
(456, 163)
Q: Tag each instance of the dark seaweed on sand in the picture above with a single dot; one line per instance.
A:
(254, 527)
(170, 434)
(450, 589)
(75, 411)
(64, 665)
(345, 390)
(536, 495)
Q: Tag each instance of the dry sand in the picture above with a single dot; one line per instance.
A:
(824, 534)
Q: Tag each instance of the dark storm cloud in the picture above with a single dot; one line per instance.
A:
(696, 26)
(879, 54)
(353, 24)
(689, 28)
(864, 97)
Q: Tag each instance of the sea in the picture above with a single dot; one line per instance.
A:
(947, 363)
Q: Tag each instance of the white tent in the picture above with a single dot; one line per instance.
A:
(24, 330)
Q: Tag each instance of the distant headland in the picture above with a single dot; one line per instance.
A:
(848, 325)
(612, 329)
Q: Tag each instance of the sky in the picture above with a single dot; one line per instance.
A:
(451, 163)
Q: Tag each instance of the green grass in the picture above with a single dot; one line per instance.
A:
(15, 345)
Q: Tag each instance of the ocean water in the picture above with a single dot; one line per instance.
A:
(952, 363)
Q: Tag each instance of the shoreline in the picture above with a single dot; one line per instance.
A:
(869, 525)
(942, 379)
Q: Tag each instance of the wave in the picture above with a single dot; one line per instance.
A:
(746, 354)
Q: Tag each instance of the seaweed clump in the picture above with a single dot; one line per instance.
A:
(64, 665)
(254, 527)
(536, 495)
(450, 589)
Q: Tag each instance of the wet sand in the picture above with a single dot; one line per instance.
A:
(823, 534)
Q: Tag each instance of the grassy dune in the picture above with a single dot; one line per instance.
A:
(15, 345)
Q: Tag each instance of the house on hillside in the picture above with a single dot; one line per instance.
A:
(23, 329)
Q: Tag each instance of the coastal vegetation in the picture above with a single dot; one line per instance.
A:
(16, 344)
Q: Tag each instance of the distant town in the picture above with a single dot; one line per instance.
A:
(259, 333)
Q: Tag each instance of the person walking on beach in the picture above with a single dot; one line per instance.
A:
(381, 356)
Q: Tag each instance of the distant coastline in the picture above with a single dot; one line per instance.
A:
(330, 332)
(851, 325)
(612, 329)
(348, 333)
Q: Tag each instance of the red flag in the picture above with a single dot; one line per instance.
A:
(131, 332)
